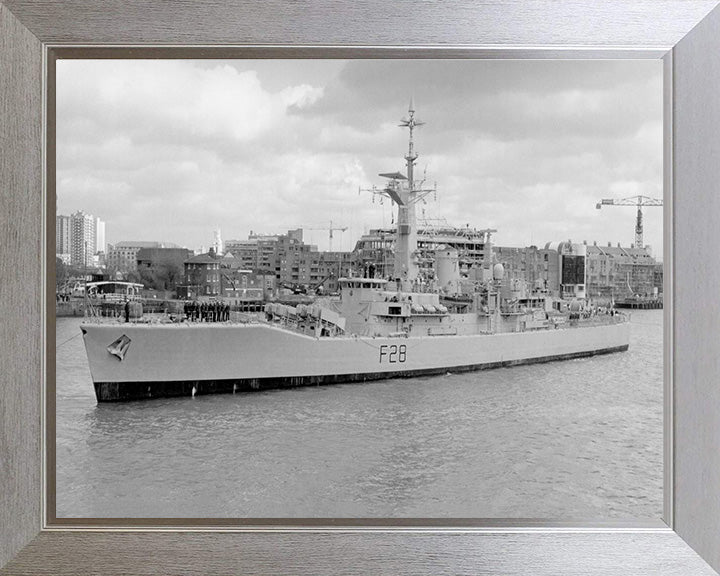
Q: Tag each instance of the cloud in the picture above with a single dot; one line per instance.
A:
(170, 150)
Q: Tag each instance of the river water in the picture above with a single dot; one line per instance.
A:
(577, 439)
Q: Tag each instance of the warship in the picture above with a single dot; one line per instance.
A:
(419, 321)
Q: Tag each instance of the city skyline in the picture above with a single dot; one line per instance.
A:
(78, 237)
(183, 148)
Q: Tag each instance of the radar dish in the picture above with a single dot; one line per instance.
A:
(394, 176)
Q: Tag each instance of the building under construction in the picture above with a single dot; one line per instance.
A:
(375, 251)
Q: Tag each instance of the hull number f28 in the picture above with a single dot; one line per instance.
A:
(393, 354)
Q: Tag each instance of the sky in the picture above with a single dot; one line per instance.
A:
(171, 150)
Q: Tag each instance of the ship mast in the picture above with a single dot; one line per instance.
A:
(410, 124)
(406, 192)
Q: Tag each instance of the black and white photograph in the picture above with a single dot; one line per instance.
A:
(347, 289)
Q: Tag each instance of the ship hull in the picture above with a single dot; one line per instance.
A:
(178, 360)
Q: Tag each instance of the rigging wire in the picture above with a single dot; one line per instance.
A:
(68, 340)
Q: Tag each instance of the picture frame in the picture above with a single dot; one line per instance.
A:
(684, 34)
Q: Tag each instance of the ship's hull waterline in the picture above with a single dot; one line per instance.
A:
(186, 359)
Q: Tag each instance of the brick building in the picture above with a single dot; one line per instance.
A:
(291, 262)
(202, 276)
(122, 257)
(619, 272)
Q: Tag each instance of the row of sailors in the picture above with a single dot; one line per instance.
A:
(206, 311)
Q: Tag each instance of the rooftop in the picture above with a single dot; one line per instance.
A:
(202, 259)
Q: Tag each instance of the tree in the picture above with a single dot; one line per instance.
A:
(133, 276)
(170, 275)
(61, 274)
(64, 272)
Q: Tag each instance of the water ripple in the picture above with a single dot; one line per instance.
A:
(574, 439)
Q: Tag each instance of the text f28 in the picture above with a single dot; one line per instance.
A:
(393, 354)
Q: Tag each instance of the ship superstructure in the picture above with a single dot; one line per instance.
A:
(453, 316)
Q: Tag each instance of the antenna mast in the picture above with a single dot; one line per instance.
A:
(406, 193)
(410, 124)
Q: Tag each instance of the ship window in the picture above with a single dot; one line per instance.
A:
(394, 310)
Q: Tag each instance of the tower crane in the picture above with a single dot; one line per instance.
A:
(638, 201)
(330, 230)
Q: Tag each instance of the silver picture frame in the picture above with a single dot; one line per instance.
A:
(685, 34)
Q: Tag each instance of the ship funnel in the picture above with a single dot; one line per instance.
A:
(447, 269)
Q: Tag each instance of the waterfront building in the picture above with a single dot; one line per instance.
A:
(538, 267)
(557, 269)
(122, 257)
(571, 270)
(334, 265)
(610, 272)
(62, 236)
(258, 252)
(265, 252)
(153, 259)
(83, 239)
(202, 276)
(210, 275)
(80, 239)
(229, 262)
(564, 269)
(619, 272)
(303, 267)
(245, 251)
(245, 288)
(293, 264)
(572, 264)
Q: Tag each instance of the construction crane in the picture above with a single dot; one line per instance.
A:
(330, 230)
(638, 201)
